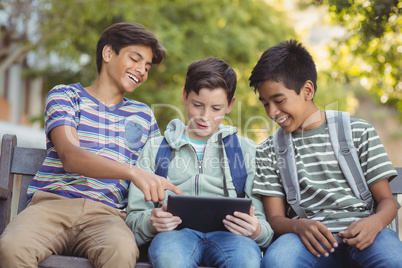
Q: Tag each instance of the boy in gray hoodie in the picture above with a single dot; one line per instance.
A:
(208, 95)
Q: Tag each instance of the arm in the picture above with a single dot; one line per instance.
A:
(253, 225)
(377, 168)
(250, 225)
(142, 217)
(311, 232)
(362, 233)
(243, 224)
(145, 220)
(81, 161)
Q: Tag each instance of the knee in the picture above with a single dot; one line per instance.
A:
(166, 259)
(13, 251)
(168, 253)
(123, 251)
(167, 240)
(249, 250)
(11, 244)
(163, 255)
(284, 244)
(393, 262)
(7, 250)
(277, 253)
(239, 252)
(127, 249)
(249, 258)
(271, 259)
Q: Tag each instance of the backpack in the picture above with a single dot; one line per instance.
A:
(234, 158)
(340, 134)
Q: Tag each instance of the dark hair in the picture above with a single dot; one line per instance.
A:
(123, 34)
(211, 73)
(288, 63)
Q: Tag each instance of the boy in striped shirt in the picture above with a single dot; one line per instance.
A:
(94, 136)
(285, 78)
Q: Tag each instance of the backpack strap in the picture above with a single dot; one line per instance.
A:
(234, 157)
(285, 156)
(340, 134)
(237, 166)
(163, 158)
(222, 165)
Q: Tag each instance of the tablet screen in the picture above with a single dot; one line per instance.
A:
(205, 214)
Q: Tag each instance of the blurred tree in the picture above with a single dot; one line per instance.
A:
(14, 28)
(370, 53)
(237, 31)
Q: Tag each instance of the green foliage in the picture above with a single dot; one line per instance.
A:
(334, 95)
(237, 31)
(370, 54)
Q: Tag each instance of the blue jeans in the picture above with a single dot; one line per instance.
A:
(289, 251)
(189, 248)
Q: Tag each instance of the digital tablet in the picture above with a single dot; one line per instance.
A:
(205, 214)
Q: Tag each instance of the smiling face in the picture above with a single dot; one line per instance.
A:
(289, 110)
(205, 112)
(128, 69)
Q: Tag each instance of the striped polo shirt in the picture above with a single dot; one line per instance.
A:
(325, 193)
(117, 133)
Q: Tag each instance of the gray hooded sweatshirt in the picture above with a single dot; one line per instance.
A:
(193, 177)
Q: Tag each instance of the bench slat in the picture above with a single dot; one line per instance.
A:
(27, 161)
(396, 183)
(4, 193)
(65, 262)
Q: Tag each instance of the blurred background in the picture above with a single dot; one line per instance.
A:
(357, 47)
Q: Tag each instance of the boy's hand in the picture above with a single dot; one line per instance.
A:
(243, 224)
(312, 233)
(162, 220)
(361, 234)
(153, 186)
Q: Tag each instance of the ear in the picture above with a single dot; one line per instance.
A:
(308, 90)
(229, 108)
(185, 97)
(107, 53)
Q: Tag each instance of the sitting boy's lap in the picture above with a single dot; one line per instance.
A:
(210, 249)
(189, 239)
(289, 251)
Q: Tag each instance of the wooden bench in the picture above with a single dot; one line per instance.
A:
(26, 162)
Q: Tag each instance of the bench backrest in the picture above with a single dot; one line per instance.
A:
(16, 161)
(396, 189)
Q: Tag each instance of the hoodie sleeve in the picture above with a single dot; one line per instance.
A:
(138, 210)
(265, 237)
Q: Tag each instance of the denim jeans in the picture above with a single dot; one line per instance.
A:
(289, 251)
(189, 248)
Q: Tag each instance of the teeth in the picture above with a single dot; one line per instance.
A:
(282, 120)
(133, 78)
